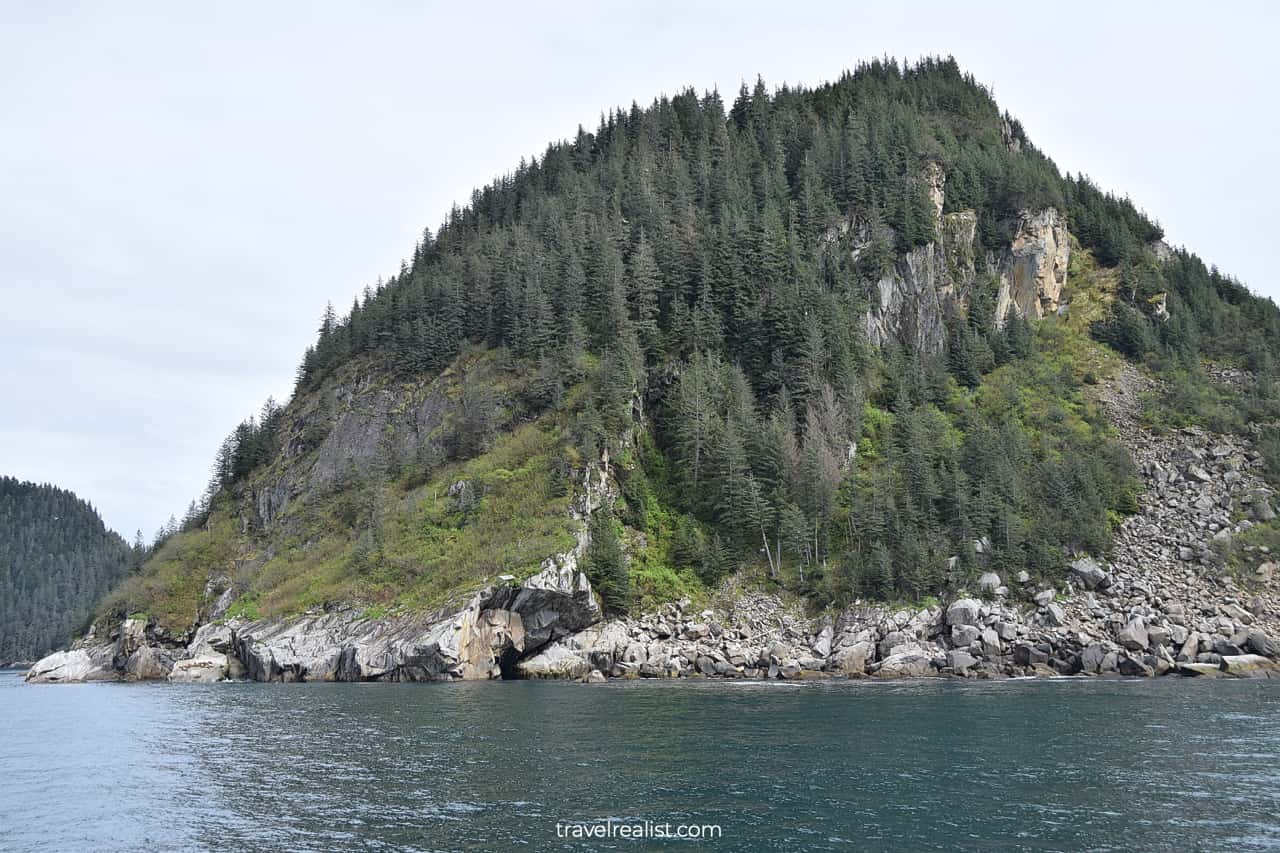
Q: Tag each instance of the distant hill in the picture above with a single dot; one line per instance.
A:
(57, 558)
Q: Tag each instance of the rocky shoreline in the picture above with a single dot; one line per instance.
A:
(1165, 603)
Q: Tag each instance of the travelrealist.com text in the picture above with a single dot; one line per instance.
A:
(635, 829)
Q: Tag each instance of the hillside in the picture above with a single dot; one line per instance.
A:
(57, 560)
(838, 345)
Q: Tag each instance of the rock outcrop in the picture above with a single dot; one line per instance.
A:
(1034, 271)
(92, 663)
(482, 639)
(923, 288)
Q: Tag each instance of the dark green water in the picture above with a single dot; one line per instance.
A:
(1019, 765)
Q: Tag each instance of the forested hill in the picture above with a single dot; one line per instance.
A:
(844, 336)
(57, 559)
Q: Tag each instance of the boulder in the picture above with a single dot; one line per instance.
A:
(1133, 666)
(960, 661)
(1025, 654)
(205, 669)
(696, 631)
(965, 611)
(595, 677)
(555, 661)
(1133, 636)
(894, 639)
(963, 635)
(988, 583)
(1092, 657)
(213, 638)
(147, 663)
(1198, 670)
(1250, 666)
(790, 669)
(1190, 647)
(990, 642)
(85, 664)
(852, 660)
(1054, 615)
(822, 643)
(1089, 573)
(1226, 648)
(907, 662)
(1260, 644)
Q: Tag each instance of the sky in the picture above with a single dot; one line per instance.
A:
(184, 186)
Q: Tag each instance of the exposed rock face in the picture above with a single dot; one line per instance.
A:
(912, 301)
(83, 664)
(928, 285)
(148, 663)
(494, 629)
(1034, 272)
(359, 424)
(498, 623)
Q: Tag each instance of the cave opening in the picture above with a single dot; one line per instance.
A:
(507, 661)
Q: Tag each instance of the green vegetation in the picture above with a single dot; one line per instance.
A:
(411, 539)
(674, 298)
(57, 559)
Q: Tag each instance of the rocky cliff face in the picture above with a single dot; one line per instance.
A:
(928, 285)
(352, 427)
(1034, 271)
(480, 640)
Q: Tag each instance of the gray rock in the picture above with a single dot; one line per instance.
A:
(907, 663)
(1260, 644)
(1226, 648)
(963, 635)
(990, 643)
(596, 677)
(1250, 666)
(203, 670)
(93, 663)
(1043, 597)
(1202, 670)
(965, 611)
(1133, 636)
(1190, 648)
(989, 582)
(852, 660)
(1055, 615)
(148, 663)
(1134, 667)
(1025, 654)
(696, 631)
(1090, 573)
(960, 661)
(557, 660)
(822, 644)
(1092, 657)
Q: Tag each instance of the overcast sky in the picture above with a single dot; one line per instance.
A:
(184, 186)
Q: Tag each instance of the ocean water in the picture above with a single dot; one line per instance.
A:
(1067, 764)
